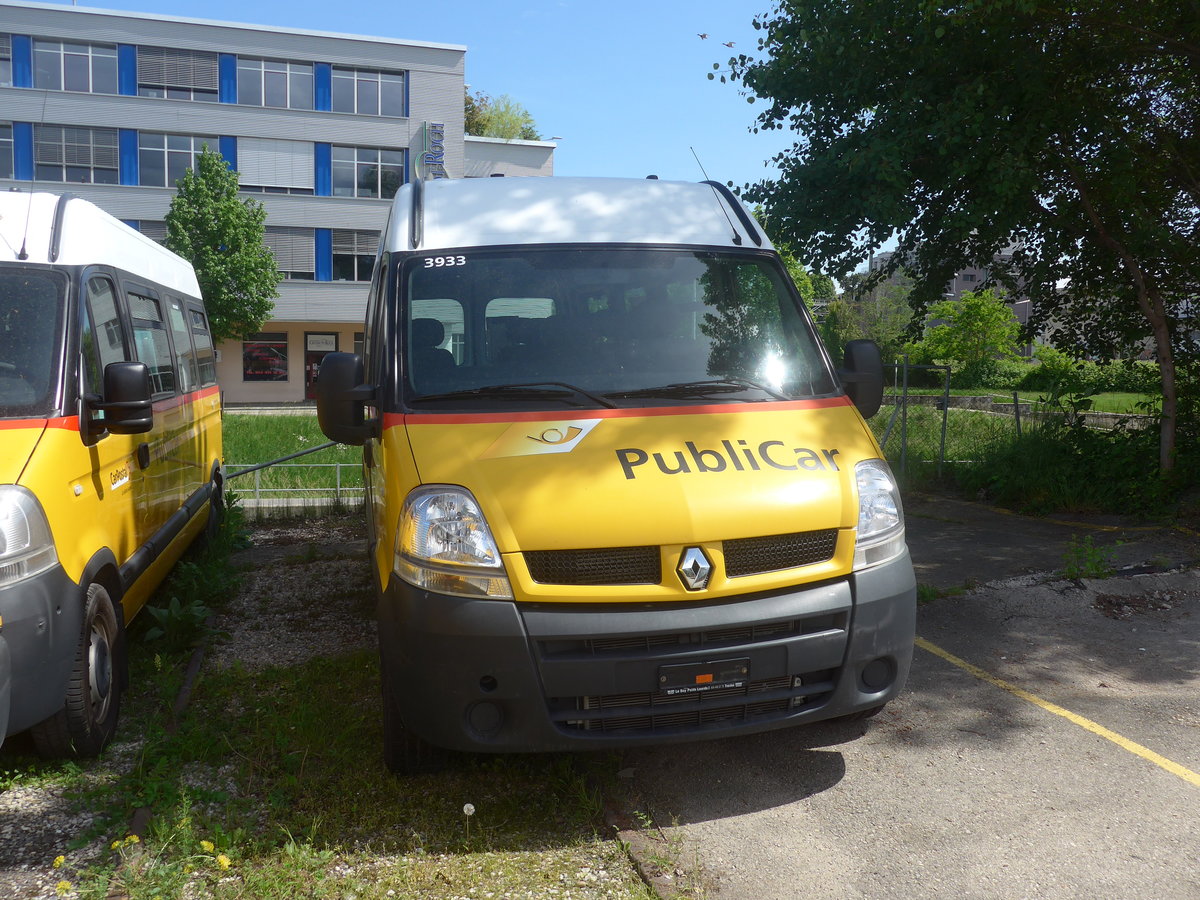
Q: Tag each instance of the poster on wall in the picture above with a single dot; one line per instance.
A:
(265, 357)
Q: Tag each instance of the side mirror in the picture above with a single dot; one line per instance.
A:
(126, 402)
(862, 374)
(341, 396)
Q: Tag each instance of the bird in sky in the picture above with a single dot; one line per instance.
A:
(728, 43)
(703, 37)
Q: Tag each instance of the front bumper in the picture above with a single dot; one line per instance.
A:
(488, 675)
(40, 624)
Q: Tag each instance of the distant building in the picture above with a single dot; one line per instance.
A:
(322, 128)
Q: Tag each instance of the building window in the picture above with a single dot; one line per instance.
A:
(5, 60)
(156, 231)
(368, 93)
(968, 276)
(76, 155)
(295, 251)
(163, 158)
(275, 166)
(367, 172)
(177, 74)
(67, 66)
(6, 150)
(354, 254)
(267, 82)
(265, 357)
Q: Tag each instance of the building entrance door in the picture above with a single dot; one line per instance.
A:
(316, 345)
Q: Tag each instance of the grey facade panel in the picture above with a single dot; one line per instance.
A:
(334, 301)
(185, 117)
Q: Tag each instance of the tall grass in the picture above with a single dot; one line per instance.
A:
(253, 439)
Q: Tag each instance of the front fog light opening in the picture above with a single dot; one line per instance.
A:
(877, 675)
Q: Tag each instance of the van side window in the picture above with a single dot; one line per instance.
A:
(189, 375)
(206, 360)
(150, 342)
(103, 341)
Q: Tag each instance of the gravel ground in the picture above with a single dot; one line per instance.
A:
(271, 621)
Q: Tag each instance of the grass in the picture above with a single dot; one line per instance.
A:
(1115, 402)
(271, 785)
(253, 439)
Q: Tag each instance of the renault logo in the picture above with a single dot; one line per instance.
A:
(694, 569)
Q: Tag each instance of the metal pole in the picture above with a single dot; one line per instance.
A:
(1017, 412)
(904, 423)
(945, 415)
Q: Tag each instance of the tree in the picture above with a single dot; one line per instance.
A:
(975, 328)
(221, 235)
(500, 117)
(880, 313)
(1067, 130)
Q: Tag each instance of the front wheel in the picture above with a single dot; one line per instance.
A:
(87, 720)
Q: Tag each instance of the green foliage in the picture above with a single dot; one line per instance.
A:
(1067, 132)
(499, 117)
(975, 330)
(1083, 559)
(996, 374)
(221, 235)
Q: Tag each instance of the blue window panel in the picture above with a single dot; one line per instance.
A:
(127, 149)
(127, 70)
(22, 149)
(227, 78)
(22, 60)
(323, 169)
(227, 146)
(135, 224)
(324, 250)
(322, 87)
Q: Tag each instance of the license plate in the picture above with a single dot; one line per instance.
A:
(696, 678)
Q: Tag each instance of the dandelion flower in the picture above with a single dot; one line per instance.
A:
(222, 860)
(207, 846)
(132, 839)
(58, 861)
(469, 809)
(115, 845)
(62, 888)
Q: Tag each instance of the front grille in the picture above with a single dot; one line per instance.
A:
(608, 565)
(750, 556)
(739, 635)
(649, 712)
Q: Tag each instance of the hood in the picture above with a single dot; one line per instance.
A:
(614, 478)
(18, 438)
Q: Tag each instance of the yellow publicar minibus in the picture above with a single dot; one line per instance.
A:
(616, 492)
(110, 455)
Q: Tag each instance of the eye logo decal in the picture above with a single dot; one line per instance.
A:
(557, 435)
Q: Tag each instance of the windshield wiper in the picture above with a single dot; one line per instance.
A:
(532, 390)
(700, 389)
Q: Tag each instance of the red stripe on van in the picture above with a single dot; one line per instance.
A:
(70, 423)
(392, 419)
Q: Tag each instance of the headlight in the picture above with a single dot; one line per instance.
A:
(444, 545)
(880, 534)
(26, 547)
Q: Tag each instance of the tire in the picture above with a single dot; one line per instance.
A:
(88, 718)
(216, 510)
(403, 752)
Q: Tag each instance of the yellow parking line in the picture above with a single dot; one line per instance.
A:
(1087, 724)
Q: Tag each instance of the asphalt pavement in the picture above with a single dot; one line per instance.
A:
(1047, 744)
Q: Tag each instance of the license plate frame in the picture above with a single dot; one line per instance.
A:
(700, 678)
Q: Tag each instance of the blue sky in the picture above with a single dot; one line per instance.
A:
(623, 83)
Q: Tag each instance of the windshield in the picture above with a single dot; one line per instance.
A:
(554, 328)
(31, 309)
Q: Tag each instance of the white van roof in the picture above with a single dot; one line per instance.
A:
(480, 212)
(86, 235)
